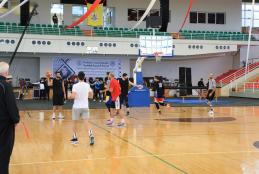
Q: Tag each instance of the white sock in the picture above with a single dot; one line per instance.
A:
(60, 114)
(54, 114)
(74, 135)
(122, 121)
(112, 119)
(90, 132)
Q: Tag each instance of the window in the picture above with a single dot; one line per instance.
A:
(108, 16)
(77, 12)
(220, 18)
(4, 8)
(211, 18)
(57, 9)
(247, 14)
(201, 18)
(193, 17)
(154, 13)
(140, 14)
(132, 14)
(135, 14)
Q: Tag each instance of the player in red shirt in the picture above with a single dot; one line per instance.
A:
(115, 90)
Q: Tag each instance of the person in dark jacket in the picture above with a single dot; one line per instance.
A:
(9, 117)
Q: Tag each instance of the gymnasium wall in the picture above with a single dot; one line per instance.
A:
(178, 9)
(254, 53)
(232, 8)
(24, 67)
(35, 66)
(201, 67)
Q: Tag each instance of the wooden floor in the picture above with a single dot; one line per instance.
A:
(184, 140)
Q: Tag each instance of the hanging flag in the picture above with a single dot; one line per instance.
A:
(89, 11)
(96, 17)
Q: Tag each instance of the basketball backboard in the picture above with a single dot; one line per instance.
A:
(153, 44)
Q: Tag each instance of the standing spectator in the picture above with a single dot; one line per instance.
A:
(9, 117)
(102, 90)
(201, 83)
(97, 89)
(66, 88)
(91, 82)
(55, 19)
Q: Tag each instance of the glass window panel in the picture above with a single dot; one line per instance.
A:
(132, 14)
(202, 18)
(193, 17)
(256, 23)
(211, 18)
(220, 18)
(154, 13)
(248, 14)
(256, 15)
(140, 14)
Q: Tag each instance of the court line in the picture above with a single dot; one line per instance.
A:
(61, 161)
(140, 148)
(131, 156)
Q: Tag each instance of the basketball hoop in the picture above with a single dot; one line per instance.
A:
(158, 56)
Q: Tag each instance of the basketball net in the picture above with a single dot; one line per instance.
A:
(158, 56)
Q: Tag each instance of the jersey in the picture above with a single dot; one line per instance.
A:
(124, 86)
(82, 90)
(159, 90)
(115, 88)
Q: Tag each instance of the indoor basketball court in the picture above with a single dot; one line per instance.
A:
(129, 87)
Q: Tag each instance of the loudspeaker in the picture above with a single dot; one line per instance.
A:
(25, 13)
(153, 22)
(185, 80)
(189, 80)
(164, 13)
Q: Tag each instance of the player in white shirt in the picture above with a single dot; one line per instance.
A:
(211, 92)
(81, 92)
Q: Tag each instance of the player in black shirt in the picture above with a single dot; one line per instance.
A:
(159, 90)
(124, 82)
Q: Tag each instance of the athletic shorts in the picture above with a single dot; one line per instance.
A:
(210, 98)
(80, 113)
(124, 99)
(159, 100)
(116, 104)
(108, 101)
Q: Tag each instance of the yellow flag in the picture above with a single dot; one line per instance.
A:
(96, 18)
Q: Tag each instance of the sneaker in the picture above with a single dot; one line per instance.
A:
(100, 101)
(121, 124)
(91, 139)
(61, 117)
(159, 111)
(109, 123)
(53, 117)
(74, 141)
(94, 100)
(128, 113)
